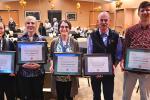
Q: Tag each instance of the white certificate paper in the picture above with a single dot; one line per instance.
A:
(98, 64)
(5, 63)
(67, 64)
(31, 53)
(140, 60)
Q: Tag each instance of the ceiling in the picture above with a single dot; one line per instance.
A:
(7, 0)
(98, 1)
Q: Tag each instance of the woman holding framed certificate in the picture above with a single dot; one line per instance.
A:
(7, 78)
(31, 69)
(66, 86)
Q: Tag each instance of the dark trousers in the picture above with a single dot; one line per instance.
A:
(7, 86)
(31, 88)
(108, 87)
(63, 90)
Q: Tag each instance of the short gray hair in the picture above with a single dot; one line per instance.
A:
(30, 18)
(104, 12)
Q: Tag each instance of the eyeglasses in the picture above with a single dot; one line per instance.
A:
(143, 10)
(64, 26)
(105, 20)
(30, 23)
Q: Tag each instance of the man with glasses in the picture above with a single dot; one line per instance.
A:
(137, 36)
(103, 40)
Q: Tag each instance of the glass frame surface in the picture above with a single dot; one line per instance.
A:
(40, 43)
(10, 59)
(136, 66)
(55, 63)
(97, 56)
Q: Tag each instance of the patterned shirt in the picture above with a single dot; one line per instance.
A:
(63, 47)
(137, 37)
(25, 72)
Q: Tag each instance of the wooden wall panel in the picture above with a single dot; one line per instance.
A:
(5, 16)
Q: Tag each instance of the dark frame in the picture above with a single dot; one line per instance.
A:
(44, 51)
(36, 14)
(137, 63)
(71, 16)
(12, 60)
(86, 56)
(55, 63)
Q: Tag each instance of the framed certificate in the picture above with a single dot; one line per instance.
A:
(67, 63)
(31, 52)
(97, 64)
(137, 60)
(7, 61)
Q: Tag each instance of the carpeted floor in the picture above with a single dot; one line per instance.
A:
(85, 92)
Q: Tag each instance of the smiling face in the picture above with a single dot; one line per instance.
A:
(103, 20)
(64, 28)
(144, 14)
(31, 24)
(1, 29)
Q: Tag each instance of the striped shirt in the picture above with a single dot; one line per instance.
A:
(25, 72)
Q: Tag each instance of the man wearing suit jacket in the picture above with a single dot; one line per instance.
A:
(103, 40)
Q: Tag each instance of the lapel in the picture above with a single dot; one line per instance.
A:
(26, 37)
(4, 44)
(110, 38)
(100, 39)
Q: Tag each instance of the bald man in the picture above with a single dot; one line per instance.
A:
(103, 40)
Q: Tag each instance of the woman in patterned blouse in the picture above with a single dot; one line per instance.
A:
(66, 86)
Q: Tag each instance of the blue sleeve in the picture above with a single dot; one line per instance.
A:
(89, 45)
(119, 49)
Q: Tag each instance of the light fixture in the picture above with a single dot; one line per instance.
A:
(99, 8)
(23, 3)
(52, 6)
(50, 1)
(118, 3)
(8, 7)
(78, 5)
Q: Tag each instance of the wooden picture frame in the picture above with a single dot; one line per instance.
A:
(71, 16)
(36, 14)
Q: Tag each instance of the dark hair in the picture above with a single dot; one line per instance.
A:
(41, 24)
(66, 21)
(143, 5)
(4, 29)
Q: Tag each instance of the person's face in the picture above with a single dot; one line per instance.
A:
(144, 13)
(64, 29)
(103, 21)
(30, 26)
(1, 29)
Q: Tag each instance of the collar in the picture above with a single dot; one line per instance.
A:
(34, 35)
(145, 27)
(107, 32)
